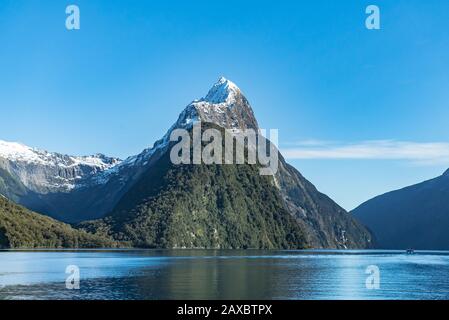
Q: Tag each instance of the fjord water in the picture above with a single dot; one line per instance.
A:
(209, 274)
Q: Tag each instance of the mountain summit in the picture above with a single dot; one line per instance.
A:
(224, 105)
(224, 91)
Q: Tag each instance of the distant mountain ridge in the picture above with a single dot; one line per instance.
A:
(413, 217)
(53, 183)
(43, 171)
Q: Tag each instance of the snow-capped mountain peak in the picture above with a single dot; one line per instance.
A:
(224, 105)
(224, 91)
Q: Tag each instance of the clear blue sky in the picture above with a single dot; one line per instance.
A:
(309, 68)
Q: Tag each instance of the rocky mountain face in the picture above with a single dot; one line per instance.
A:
(414, 217)
(225, 106)
(145, 199)
(326, 224)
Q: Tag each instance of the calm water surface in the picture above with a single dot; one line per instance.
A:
(208, 274)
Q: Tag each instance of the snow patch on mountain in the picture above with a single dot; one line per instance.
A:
(18, 152)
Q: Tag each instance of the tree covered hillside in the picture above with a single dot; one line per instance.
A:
(21, 228)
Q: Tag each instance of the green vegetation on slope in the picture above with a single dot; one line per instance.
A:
(202, 206)
(21, 228)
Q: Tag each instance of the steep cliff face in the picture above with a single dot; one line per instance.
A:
(326, 224)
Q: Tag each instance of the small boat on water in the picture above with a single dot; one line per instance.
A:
(410, 251)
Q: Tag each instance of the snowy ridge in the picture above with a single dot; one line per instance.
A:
(44, 171)
(18, 152)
